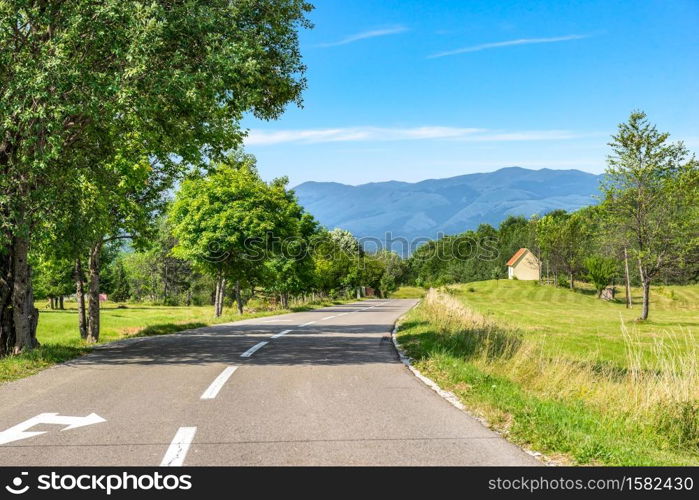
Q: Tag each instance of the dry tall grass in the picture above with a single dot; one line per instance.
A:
(660, 390)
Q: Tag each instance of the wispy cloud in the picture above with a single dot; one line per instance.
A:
(394, 30)
(381, 134)
(508, 43)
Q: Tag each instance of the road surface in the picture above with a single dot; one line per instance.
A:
(322, 387)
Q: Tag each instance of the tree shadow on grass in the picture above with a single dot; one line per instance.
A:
(14, 367)
(55, 353)
(491, 341)
(167, 328)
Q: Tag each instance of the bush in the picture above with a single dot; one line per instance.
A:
(601, 271)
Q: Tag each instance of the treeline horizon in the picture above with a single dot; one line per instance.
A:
(645, 228)
(226, 236)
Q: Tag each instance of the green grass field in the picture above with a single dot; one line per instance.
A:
(60, 341)
(408, 292)
(557, 372)
(580, 325)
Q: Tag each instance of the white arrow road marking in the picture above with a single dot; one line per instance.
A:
(177, 451)
(20, 431)
(253, 349)
(218, 382)
(281, 334)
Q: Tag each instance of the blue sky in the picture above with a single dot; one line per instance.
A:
(416, 89)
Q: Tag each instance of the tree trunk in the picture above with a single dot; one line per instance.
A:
(24, 315)
(238, 297)
(60, 303)
(219, 294)
(216, 297)
(80, 297)
(646, 300)
(165, 278)
(645, 283)
(7, 335)
(628, 279)
(93, 312)
(572, 283)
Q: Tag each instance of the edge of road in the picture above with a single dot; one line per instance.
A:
(449, 396)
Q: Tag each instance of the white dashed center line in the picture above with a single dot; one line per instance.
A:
(329, 317)
(216, 385)
(281, 334)
(253, 349)
(177, 451)
(309, 323)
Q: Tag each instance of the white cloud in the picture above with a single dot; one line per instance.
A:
(508, 43)
(258, 137)
(365, 35)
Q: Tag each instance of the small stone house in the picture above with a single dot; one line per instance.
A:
(524, 265)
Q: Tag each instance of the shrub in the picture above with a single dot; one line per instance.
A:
(600, 271)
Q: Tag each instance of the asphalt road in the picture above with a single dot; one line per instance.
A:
(326, 389)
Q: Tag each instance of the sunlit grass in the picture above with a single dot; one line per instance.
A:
(408, 292)
(580, 325)
(636, 403)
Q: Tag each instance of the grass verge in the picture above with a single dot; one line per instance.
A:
(572, 409)
(408, 292)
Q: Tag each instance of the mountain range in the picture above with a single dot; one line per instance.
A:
(453, 205)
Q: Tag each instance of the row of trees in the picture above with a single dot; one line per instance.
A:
(248, 234)
(103, 106)
(645, 228)
(226, 237)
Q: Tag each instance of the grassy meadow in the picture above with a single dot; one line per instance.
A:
(567, 374)
(408, 292)
(579, 325)
(60, 341)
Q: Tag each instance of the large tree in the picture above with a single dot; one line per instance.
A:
(100, 79)
(229, 223)
(651, 195)
(289, 267)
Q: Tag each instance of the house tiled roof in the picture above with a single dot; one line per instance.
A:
(518, 255)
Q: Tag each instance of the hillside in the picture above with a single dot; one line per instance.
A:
(449, 206)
